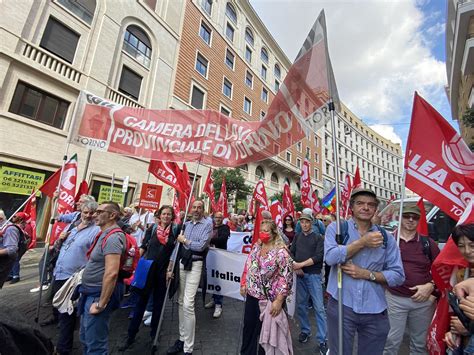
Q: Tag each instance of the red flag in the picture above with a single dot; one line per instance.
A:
(346, 195)
(176, 207)
(258, 222)
(392, 198)
(166, 172)
(288, 205)
(67, 190)
(305, 183)
(82, 190)
(440, 171)
(422, 224)
(222, 202)
(30, 209)
(209, 190)
(50, 186)
(260, 195)
(443, 268)
(357, 182)
(315, 201)
(276, 210)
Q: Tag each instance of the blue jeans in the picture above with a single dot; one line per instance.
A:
(218, 299)
(95, 329)
(15, 272)
(310, 286)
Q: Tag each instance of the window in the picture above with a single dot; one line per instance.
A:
(39, 105)
(248, 54)
(84, 9)
(277, 85)
(262, 115)
(205, 33)
(316, 141)
(316, 174)
(225, 111)
(231, 13)
(259, 173)
(316, 157)
(299, 147)
(274, 179)
(277, 71)
(130, 83)
(197, 98)
(249, 36)
(263, 72)
(59, 40)
(264, 55)
(229, 32)
(201, 65)
(247, 106)
(206, 5)
(229, 59)
(264, 95)
(227, 88)
(249, 79)
(298, 162)
(288, 156)
(137, 44)
(308, 152)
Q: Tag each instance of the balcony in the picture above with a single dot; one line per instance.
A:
(50, 62)
(121, 99)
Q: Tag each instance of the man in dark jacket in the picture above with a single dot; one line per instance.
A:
(307, 251)
(221, 234)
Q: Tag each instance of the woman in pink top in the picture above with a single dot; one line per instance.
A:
(269, 276)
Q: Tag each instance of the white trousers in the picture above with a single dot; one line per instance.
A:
(188, 285)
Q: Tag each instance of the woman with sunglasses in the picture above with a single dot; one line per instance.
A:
(289, 228)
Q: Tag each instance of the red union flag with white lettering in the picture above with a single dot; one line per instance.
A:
(439, 165)
(299, 107)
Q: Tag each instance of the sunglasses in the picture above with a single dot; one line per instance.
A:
(414, 217)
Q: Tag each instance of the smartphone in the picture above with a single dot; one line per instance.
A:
(454, 303)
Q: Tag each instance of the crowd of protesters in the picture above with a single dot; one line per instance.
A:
(388, 287)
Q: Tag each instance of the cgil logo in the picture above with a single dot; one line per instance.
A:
(457, 155)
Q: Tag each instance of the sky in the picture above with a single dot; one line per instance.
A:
(381, 51)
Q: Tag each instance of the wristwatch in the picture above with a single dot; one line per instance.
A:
(99, 307)
(372, 276)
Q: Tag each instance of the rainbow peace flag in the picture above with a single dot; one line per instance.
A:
(329, 201)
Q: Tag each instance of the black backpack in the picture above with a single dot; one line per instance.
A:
(23, 240)
(345, 233)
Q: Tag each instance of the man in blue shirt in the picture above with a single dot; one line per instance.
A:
(369, 262)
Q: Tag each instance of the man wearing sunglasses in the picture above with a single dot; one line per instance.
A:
(412, 303)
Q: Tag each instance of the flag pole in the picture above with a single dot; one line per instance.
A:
(48, 236)
(403, 197)
(173, 258)
(18, 210)
(112, 182)
(86, 167)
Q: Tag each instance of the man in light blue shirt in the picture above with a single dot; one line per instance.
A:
(369, 262)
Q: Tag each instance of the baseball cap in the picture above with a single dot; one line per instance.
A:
(306, 216)
(363, 190)
(307, 211)
(22, 215)
(411, 209)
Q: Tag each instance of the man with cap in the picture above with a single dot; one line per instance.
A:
(370, 260)
(23, 220)
(412, 303)
(318, 225)
(307, 251)
(9, 242)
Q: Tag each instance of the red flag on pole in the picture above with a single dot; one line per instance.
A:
(222, 203)
(357, 182)
(443, 269)
(288, 205)
(49, 187)
(440, 171)
(422, 224)
(315, 202)
(209, 190)
(305, 183)
(260, 195)
(176, 209)
(67, 191)
(346, 195)
(82, 190)
(276, 210)
(166, 172)
(30, 210)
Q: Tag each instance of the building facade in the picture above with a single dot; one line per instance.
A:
(53, 49)
(379, 159)
(460, 62)
(229, 62)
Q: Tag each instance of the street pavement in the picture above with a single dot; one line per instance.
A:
(213, 336)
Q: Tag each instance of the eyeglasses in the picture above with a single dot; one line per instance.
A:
(414, 217)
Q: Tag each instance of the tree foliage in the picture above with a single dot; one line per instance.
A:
(468, 118)
(235, 183)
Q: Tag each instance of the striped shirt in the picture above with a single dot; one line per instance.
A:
(198, 233)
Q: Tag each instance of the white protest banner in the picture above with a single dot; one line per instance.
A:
(239, 242)
(224, 271)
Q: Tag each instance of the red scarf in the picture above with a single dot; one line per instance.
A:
(162, 233)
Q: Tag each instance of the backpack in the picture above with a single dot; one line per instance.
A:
(23, 240)
(425, 242)
(345, 233)
(128, 259)
(320, 227)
